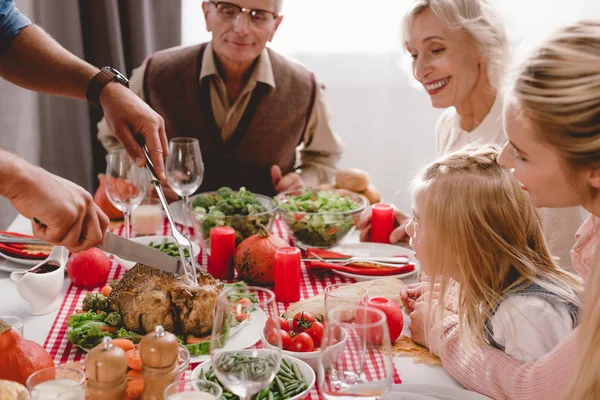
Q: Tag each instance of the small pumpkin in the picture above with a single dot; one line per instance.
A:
(255, 256)
(101, 199)
(20, 357)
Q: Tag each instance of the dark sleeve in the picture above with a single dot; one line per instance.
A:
(12, 23)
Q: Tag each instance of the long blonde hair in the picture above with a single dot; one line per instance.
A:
(487, 236)
(479, 20)
(586, 382)
(557, 88)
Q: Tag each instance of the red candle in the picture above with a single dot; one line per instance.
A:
(287, 274)
(222, 249)
(382, 222)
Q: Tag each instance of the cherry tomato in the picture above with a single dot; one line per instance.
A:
(286, 339)
(303, 320)
(241, 316)
(283, 324)
(302, 342)
(316, 331)
(245, 303)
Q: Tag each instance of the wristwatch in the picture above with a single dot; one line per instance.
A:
(103, 78)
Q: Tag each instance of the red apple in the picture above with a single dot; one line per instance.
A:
(88, 269)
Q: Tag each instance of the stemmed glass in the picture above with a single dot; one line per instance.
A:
(244, 372)
(125, 184)
(365, 369)
(185, 170)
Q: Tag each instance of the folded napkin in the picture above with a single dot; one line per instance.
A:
(359, 268)
(21, 250)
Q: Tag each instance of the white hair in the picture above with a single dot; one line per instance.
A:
(478, 19)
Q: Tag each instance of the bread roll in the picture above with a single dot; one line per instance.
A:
(372, 194)
(352, 179)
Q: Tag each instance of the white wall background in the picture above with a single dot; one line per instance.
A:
(354, 48)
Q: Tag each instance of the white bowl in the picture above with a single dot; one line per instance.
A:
(309, 357)
(128, 264)
(305, 370)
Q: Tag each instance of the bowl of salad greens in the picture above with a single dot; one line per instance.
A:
(318, 217)
(242, 210)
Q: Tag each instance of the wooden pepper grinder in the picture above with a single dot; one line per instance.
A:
(105, 367)
(159, 351)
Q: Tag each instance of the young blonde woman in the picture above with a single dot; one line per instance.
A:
(511, 294)
(459, 50)
(552, 120)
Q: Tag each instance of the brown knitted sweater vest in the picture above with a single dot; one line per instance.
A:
(271, 128)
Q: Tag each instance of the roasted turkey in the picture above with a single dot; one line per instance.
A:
(146, 297)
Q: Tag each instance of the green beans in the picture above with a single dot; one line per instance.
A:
(288, 382)
(168, 248)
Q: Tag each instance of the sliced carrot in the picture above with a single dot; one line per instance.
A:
(134, 361)
(194, 340)
(132, 373)
(80, 311)
(105, 291)
(98, 312)
(125, 344)
(134, 389)
(109, 329)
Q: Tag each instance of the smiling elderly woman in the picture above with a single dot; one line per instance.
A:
(459, 50)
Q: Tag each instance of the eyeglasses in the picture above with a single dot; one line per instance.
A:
(228, 12)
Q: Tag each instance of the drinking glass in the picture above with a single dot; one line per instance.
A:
(193, 389)
(344, 295)
(365, 369)
(125, 184)
(57, 383)
(185, 170)
(244, 372)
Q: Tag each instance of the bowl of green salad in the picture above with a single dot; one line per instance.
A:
(318, 217)
(240, 209)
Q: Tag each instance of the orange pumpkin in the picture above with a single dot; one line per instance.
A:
(104, 203)
(20, 358)
(255, 256)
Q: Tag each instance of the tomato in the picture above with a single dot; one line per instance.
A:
(302, 342)
(316, 332)
(89, 268)
(283, 324)
(245, 303)
(241, 316)
(303, 320)
(393, 313)
(286, 340)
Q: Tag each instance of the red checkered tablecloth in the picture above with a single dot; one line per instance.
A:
(63, 351)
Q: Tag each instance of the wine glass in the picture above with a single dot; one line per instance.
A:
(365, 369)
(193, 389)
(245, 372)
(125, 184)
(185, 170)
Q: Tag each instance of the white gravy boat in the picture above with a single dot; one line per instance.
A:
(41, 285)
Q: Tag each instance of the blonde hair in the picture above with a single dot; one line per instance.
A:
(586, 382)
(487, 236)
(479, 20)
(557, 89)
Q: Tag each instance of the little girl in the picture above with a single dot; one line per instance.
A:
(474, 227)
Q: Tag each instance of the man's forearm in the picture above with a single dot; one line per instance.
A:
(12, 173)
(37, 62)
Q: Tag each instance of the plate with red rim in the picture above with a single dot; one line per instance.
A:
(370, 249)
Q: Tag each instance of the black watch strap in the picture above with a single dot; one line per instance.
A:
(100, 80)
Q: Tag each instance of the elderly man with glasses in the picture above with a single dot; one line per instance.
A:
(261, 119)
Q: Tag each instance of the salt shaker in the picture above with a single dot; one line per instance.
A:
(105, 367)
(159, 351)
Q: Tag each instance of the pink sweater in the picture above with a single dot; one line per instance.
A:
(492, 372)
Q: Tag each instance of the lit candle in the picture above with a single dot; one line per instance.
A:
(147, 219)
(222, 249)
(287, 274)
(382, 222)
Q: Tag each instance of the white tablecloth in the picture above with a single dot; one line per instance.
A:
(36, 328)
